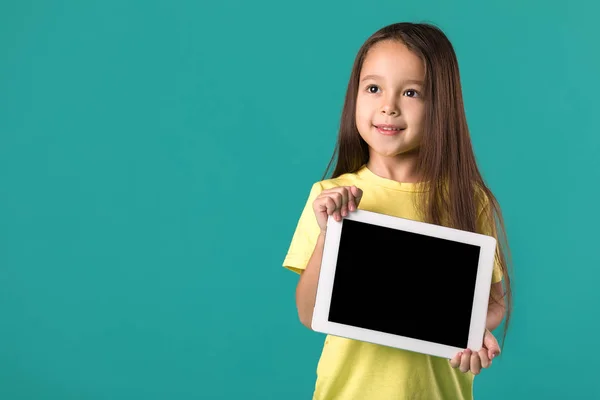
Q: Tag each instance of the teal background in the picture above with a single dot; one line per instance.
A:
(155, 157)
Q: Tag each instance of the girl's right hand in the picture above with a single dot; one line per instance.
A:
(337, 201)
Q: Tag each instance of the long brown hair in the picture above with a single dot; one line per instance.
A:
(446, 159)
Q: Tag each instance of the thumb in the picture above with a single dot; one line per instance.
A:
(491, 344)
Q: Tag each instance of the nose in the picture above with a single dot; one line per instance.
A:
(390, 108)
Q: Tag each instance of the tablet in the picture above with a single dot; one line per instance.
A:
(404, 284)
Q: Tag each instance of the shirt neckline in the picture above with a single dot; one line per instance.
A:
(365, 173)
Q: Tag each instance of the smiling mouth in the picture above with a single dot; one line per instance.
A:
(389, 129)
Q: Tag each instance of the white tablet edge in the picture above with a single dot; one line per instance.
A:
(486, 243)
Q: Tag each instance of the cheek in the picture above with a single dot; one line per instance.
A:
(363, 115)
(417, 115)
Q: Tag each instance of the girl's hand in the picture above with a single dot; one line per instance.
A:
(337, 201)
(473, 361)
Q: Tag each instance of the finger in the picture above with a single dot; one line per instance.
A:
(339, 200)
(328, 205)
(483, 356)
(455, 361)
(344, 206)
(340, 196)
(493, 352)
(491, 344)
(351, 199)
(475, 363)
(465, 361)
(357, 194)
(336, 198)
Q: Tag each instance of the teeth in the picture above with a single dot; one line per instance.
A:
(390, 129)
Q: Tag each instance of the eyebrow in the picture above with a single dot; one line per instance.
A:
(419, 82)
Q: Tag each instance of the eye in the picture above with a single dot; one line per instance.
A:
(411, 93)
(370, 87)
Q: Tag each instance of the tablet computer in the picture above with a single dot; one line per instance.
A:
(404, 284)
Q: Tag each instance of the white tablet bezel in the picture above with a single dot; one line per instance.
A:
(320, 321)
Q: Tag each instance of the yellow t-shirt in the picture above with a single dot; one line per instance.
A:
(354, 370)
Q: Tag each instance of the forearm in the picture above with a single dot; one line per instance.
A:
(495, 315)
(306, 290)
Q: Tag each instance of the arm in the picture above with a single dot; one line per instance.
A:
(306, 290)
(496, 307)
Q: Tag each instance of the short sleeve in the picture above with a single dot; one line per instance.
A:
(305, 236)
(486, 225)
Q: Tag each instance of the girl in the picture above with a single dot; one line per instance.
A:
(403, 150)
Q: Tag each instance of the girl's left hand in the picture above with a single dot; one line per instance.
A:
(473, 361)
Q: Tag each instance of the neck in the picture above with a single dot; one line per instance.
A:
(400, 168)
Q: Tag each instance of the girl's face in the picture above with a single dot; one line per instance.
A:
(389, 103)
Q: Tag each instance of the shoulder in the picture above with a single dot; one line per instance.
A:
(347, 179)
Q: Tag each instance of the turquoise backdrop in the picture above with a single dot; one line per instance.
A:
(155, 157)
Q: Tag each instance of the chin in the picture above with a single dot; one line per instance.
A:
(394, 152)
(386, 152)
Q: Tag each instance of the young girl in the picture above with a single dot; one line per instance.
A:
(403, 150)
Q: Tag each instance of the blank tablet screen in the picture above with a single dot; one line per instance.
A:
(404, 283)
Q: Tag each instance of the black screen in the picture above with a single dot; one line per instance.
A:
(404, 283)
